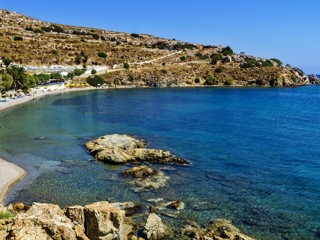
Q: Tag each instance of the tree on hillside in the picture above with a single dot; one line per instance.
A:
(21, 80)
(7, 62)
(6, 82)
(95, 80)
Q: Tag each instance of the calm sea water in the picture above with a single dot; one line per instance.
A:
(254, 152)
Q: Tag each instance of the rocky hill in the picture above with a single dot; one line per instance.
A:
(136, 59)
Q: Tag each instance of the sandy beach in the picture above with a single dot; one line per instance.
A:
(10, 174)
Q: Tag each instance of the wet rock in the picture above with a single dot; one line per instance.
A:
(140, 172)
(130, 208)
(217, 229)
(224, 229)
(177, 205)
(121, 149)
(154, 228)
(193, 231)
(45, 221)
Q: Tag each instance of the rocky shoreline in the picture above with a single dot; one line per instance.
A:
(116, 220)
(103, 220)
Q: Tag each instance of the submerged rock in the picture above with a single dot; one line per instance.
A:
(140, 172)
(121, 149)
(177, 205)
(146, 178)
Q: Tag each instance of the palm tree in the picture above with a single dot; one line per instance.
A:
(18, 74)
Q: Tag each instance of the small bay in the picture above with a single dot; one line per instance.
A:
(254, 152)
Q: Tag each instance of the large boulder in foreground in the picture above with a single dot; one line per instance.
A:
(45, 221)
(121, 149)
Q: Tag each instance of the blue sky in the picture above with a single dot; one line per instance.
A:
(284, 29)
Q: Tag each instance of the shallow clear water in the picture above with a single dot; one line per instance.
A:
(254, 152)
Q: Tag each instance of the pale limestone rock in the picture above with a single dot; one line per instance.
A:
(121, 149)
(103, 221)
(154, 228)
(44, 221)
(76, 214)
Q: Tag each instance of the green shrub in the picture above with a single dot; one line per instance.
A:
(17, 38)
(197, 80)
(126, 65)
(215, 57)
(29, 29)
(135, 35)
(180, 46)
(93, 71)
(6, 82)
(95, 36)
(227, 51)
(6, 214)
(102, 54)
(210, 80)
(249, 63)
(7, 62)
(183, 58)
(228, 81)
(46, 29)
(219, 69)
(38, 30)
(201, 56)
(163, 71)
(277, 61)
(78, 72)
(266, 63)
(78, 59)
(57, 29)
(70, 75)
(95, 80)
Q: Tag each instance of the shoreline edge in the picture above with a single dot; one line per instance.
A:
(10, 175)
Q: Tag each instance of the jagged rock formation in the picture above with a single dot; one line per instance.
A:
(154, 228)
(314, 79)
(121, 149)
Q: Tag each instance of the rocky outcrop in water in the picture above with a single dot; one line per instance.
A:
(314, 79)
(121, 149)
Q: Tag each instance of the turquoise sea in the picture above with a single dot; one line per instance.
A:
(255, 152)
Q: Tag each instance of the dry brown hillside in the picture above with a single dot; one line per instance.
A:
(153, 61)
(29, 41)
